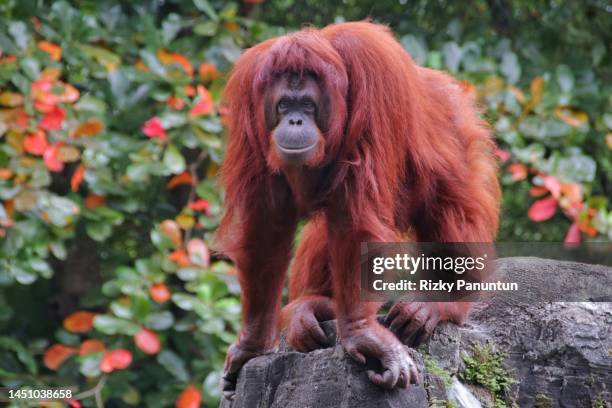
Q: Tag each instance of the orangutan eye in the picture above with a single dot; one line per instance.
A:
(283, 105)
(308, 104)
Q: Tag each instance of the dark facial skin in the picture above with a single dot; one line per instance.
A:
(296, 114)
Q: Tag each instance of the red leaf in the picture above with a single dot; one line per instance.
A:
(53, 119)
(154, 129)
(518, 171)
(51, 157)
(36, 143)
(204, 104)
(79, 322)
(553, 185)
(147, 341)
(573, 235)
(189, 398)
(116, 359)
(55, 355)
(537, 191)
(200, 205)
(21, 119)
(91, 346)
(502, 154)
(74, 404)
(159, 293)
(77, 177)
(542, 209)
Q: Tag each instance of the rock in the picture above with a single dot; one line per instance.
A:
(559, 353)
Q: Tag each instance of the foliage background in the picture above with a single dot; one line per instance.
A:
(111, 135)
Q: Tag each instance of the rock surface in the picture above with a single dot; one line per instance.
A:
(559, 353)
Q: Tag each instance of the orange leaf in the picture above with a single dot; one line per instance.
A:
(91, 346)
(231, 26)
(175, 58)
(55, 355)
(159, 293)
(175, 102)
(11, 99)
(70, 94)
(208, 72)
(467, 87)
(180, 258)
(54, 50)
(141, 66)
(52, 73)
(171, 229)
(52, 120)
(572, 191)
(94, 201)
(543, 209)
(190, 90)
(572, 117)
(79, 322)
(537, 88)
(198, 252)
(89, 128)
(115, 359)
(36, 143)
(518, 171)
(537, 191)
(77, 177)
(21, 119)
(51, 157)
(183, 178)
(189, 398)
(6, 174)
(147, 341)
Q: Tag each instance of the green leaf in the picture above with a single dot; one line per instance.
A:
(174, 364)
(112, 325)
(41, 267)
(174, 160)
(20, 34)
(206, 28)
(31, 68)
(416, 48)
(99, 231)
(104, 57)
(510, 67)
(204, 5)
(90, 365)
(565, 78)
(452, 55)
(22, 353)
(160, 321)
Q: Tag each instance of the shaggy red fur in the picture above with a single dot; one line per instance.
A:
(405, 153)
